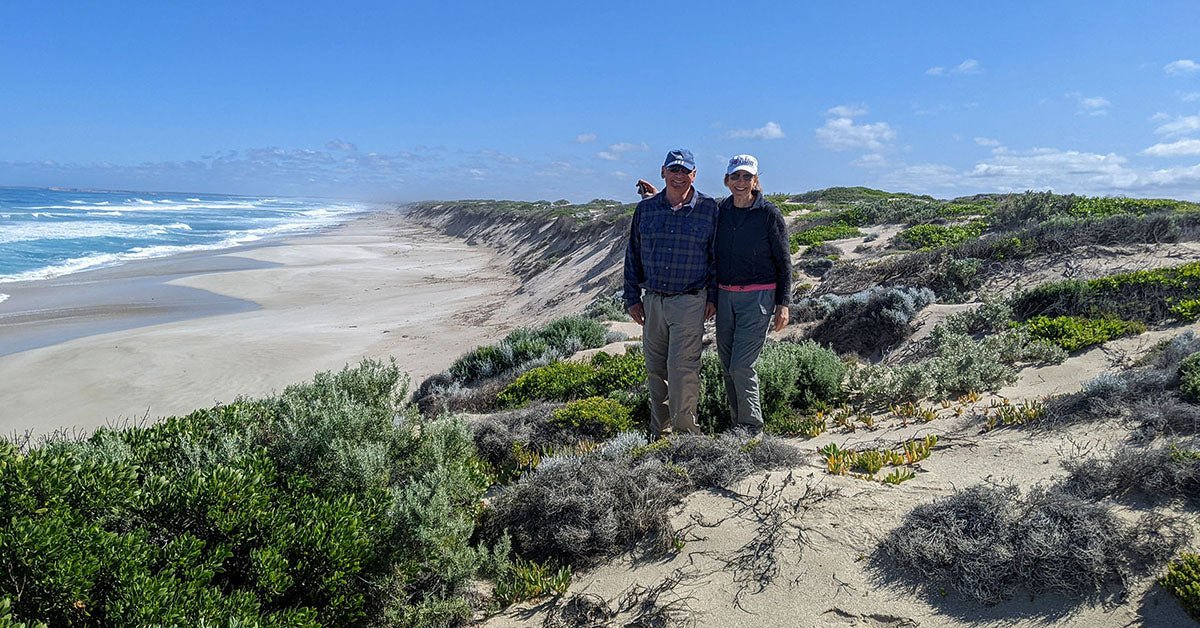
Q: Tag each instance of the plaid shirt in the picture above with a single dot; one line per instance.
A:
(671, 251)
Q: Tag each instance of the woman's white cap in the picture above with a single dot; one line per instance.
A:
(742, 162)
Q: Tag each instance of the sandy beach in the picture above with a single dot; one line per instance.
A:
(161, 337)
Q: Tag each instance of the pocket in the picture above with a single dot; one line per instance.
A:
(766, 302)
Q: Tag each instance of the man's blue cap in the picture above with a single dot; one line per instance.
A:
(681, 157)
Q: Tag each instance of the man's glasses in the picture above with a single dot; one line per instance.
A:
(678, 169)
(741, 176)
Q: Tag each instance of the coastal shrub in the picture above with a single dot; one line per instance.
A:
(1016, 209)
(1183, 581)
(952, 276)
(1157, 473)
(578, 509)
(797, 376)
(713, 407)
(511, 443)
(823, 250)
(567, 380)
(992, 315)
(332, 503)
(932, 236)
(607, 307)
(1111, 205)
(989, 542)
(877, 385)
(1148, 395)
(1145, 296)
(818, 235)
(1189, 377)
(594, 416)
(1073, 333)
(525, 347)
(791, 376)
(867, 322)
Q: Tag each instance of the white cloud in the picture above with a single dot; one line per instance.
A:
(1092, 106)
(1189, 96)
(615, 151)
(987, 141)
(871, 160)
(1180, 126)
(1174, 149)
(584, 138)
(769, 131)
(1182, 66)
(848, 111)
(841, 133)
(625, 147)
(1045, 167)
(969, 66)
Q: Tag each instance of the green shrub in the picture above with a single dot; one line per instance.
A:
(933, 236)
(527, 580)
(594, 416)
(564, 381)
(791, 376)
(1186, 309)
(1146, 296)
(1183, 580)
(607, 307)
(1073, 333)
(329, 504)
(878, 385)
(992, 315)
(1189, 377)
(817, 235)
(558, 339)
(798, 376)
(1111, 205)
(1032, 207)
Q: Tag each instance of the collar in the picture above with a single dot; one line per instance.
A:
(759, 201)
(690, 204)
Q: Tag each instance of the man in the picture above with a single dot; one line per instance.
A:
(670, 256)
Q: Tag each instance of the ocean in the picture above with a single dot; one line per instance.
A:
(47, 233)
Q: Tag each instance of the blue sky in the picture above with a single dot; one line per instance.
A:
(541, 100)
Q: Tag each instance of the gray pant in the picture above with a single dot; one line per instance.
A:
(672, 339)
(743, 319)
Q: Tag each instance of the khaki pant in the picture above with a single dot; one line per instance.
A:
(672, 339)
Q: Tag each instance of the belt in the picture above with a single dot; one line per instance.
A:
(753, 287)
(660, 293)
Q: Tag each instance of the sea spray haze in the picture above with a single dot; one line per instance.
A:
(49, 232)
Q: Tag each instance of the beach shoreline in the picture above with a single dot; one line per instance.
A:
(161, 337)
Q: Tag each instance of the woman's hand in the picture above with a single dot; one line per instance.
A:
(781, 318)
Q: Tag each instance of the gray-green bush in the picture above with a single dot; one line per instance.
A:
(579, 508)
(866, 322)
(792, 377)
(991, 542)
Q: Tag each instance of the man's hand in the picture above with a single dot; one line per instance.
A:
(646, 189)
(710, 310)
(781, 318)
(638, 314)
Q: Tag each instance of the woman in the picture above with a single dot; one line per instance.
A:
(754, 277)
